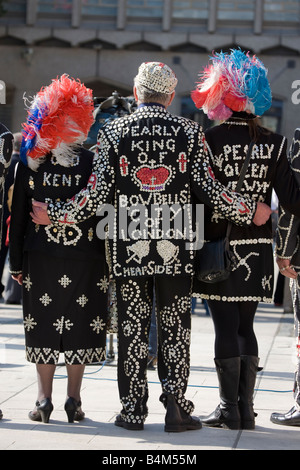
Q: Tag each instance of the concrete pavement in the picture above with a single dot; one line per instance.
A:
(18, 389)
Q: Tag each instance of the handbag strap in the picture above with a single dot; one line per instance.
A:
(244, 167)
(241, 179)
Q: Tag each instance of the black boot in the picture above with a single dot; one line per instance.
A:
(227, 413)
(176, 419)
(249, 367)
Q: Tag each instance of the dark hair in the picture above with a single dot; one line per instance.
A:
(256, 129)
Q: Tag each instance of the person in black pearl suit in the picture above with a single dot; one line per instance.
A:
(288, 260)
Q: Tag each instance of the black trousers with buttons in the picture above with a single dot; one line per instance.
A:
(173, 316)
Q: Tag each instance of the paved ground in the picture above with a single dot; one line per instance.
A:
(18, 388)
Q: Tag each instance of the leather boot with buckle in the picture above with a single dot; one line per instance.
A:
(249, 368)
(227, 413)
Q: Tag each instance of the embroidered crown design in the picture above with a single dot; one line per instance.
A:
(153, 178)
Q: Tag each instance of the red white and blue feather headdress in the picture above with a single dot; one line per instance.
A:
(59, 118)
(233, 82)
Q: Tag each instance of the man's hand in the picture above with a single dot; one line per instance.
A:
(262, 213)
(39, 213)
(285, 268)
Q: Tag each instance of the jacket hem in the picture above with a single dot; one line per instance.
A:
(225, 298)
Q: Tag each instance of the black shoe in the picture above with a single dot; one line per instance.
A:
(1, 414)
(178, 420)
(43, 411)
(291, 418)
(73, 410)
(127, 425)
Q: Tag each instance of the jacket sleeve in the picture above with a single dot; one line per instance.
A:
(287, 178)
(19, 219)
(99, 190)
(233, 206)
(287, 189)
(6, 146)
(287, 234)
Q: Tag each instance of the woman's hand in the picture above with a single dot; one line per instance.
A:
(262, 214)
(18, 278)
(39, 213)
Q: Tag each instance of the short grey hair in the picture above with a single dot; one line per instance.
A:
(149, 96)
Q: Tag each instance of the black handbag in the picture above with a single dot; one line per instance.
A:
(215, 260)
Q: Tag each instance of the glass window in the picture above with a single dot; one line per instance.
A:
(190, 9)
(6, 111)
(275, 10)
(189, 110)
(236, 10)
(15, 6)
(99, 7)
(145, 8)
(56, 6)
(272, 118)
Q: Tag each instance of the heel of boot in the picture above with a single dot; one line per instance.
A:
(176, 419)
(173, 428)
(233, 425)
(248, 425)
(227, 418)
(249, 368)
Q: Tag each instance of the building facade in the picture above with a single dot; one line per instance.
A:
(102, 42)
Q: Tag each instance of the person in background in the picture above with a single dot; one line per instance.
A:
(149, 157)
(234, 89)
(12, 290)
(288, 260)
(9, 180)
(62, 268)
(6, 146)
(152, 349)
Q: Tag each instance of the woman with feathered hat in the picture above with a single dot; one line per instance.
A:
(234, 89)
(61, 268)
